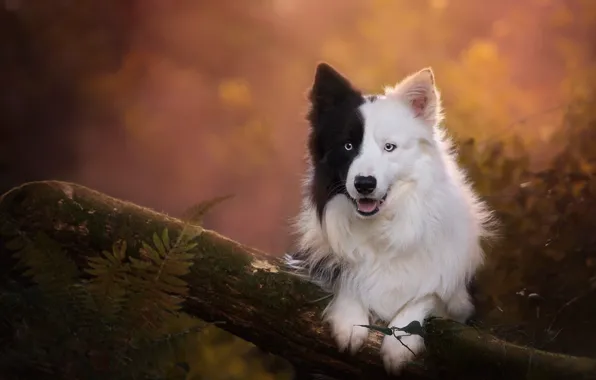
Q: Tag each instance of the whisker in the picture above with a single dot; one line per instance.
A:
(334, 189)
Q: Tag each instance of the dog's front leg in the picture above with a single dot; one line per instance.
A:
(397, 353)
(459, 306)
(345, 313)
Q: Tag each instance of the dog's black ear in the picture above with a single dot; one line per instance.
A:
(330, 88)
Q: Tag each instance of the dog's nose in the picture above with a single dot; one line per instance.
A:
(365, 184)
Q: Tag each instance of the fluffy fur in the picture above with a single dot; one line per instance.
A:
(389, 223)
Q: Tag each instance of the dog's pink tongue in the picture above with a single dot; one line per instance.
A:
(366, 205)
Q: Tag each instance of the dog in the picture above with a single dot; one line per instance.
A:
(389, 223)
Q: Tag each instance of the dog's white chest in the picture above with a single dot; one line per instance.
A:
(385, 285)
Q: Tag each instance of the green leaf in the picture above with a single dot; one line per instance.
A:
(173, 280)
(97, 260)
(151, 253)
(122, 251)
(170, 290)
(413, 328)
(139, 264)
(165, 237)
(159, 244)
(113, 257)
(383, 330)
(188, 247)
(179, 269)
(96, 270)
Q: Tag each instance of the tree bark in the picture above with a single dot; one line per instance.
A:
(251, 296)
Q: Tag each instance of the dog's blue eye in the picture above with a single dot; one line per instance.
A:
(348, 146)
(390, 147)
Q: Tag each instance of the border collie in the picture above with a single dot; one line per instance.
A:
(389, 223)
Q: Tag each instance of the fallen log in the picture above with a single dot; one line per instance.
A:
(252, 297)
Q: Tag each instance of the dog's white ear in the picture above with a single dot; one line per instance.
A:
(420, 93)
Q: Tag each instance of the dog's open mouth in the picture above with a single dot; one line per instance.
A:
(369, 206)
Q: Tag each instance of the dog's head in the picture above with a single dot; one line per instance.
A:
(365, 146)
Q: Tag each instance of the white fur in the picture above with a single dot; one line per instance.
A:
(415, 257)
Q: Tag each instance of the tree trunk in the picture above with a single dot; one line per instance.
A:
(252, 297)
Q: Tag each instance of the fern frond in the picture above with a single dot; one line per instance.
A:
(196, 213)
(165, 238)
(109, 280)
(46, 263)
(114, 323)
(155, 289)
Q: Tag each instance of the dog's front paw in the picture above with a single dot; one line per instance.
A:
(345, 314)
(348, 335)
(396, 355)
(460, 308)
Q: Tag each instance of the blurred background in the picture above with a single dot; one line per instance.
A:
(167, 103)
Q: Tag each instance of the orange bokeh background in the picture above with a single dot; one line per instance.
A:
(181, 101)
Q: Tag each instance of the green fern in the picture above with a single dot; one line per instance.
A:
(44, 261)
(115, 322)
(108, 284)
(118, 317)
(196, 213)
(155, 287)
(47, 265)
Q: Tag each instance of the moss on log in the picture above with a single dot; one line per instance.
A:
(252, 297)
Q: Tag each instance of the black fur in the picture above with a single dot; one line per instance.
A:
(335, 120)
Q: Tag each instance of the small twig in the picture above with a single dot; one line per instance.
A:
(321, 298)
(566, 305)
(398, 337)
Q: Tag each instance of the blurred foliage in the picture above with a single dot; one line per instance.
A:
(539, 286)
(117, 317)
(121, 322)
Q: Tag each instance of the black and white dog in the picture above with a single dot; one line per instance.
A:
(389, 222)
